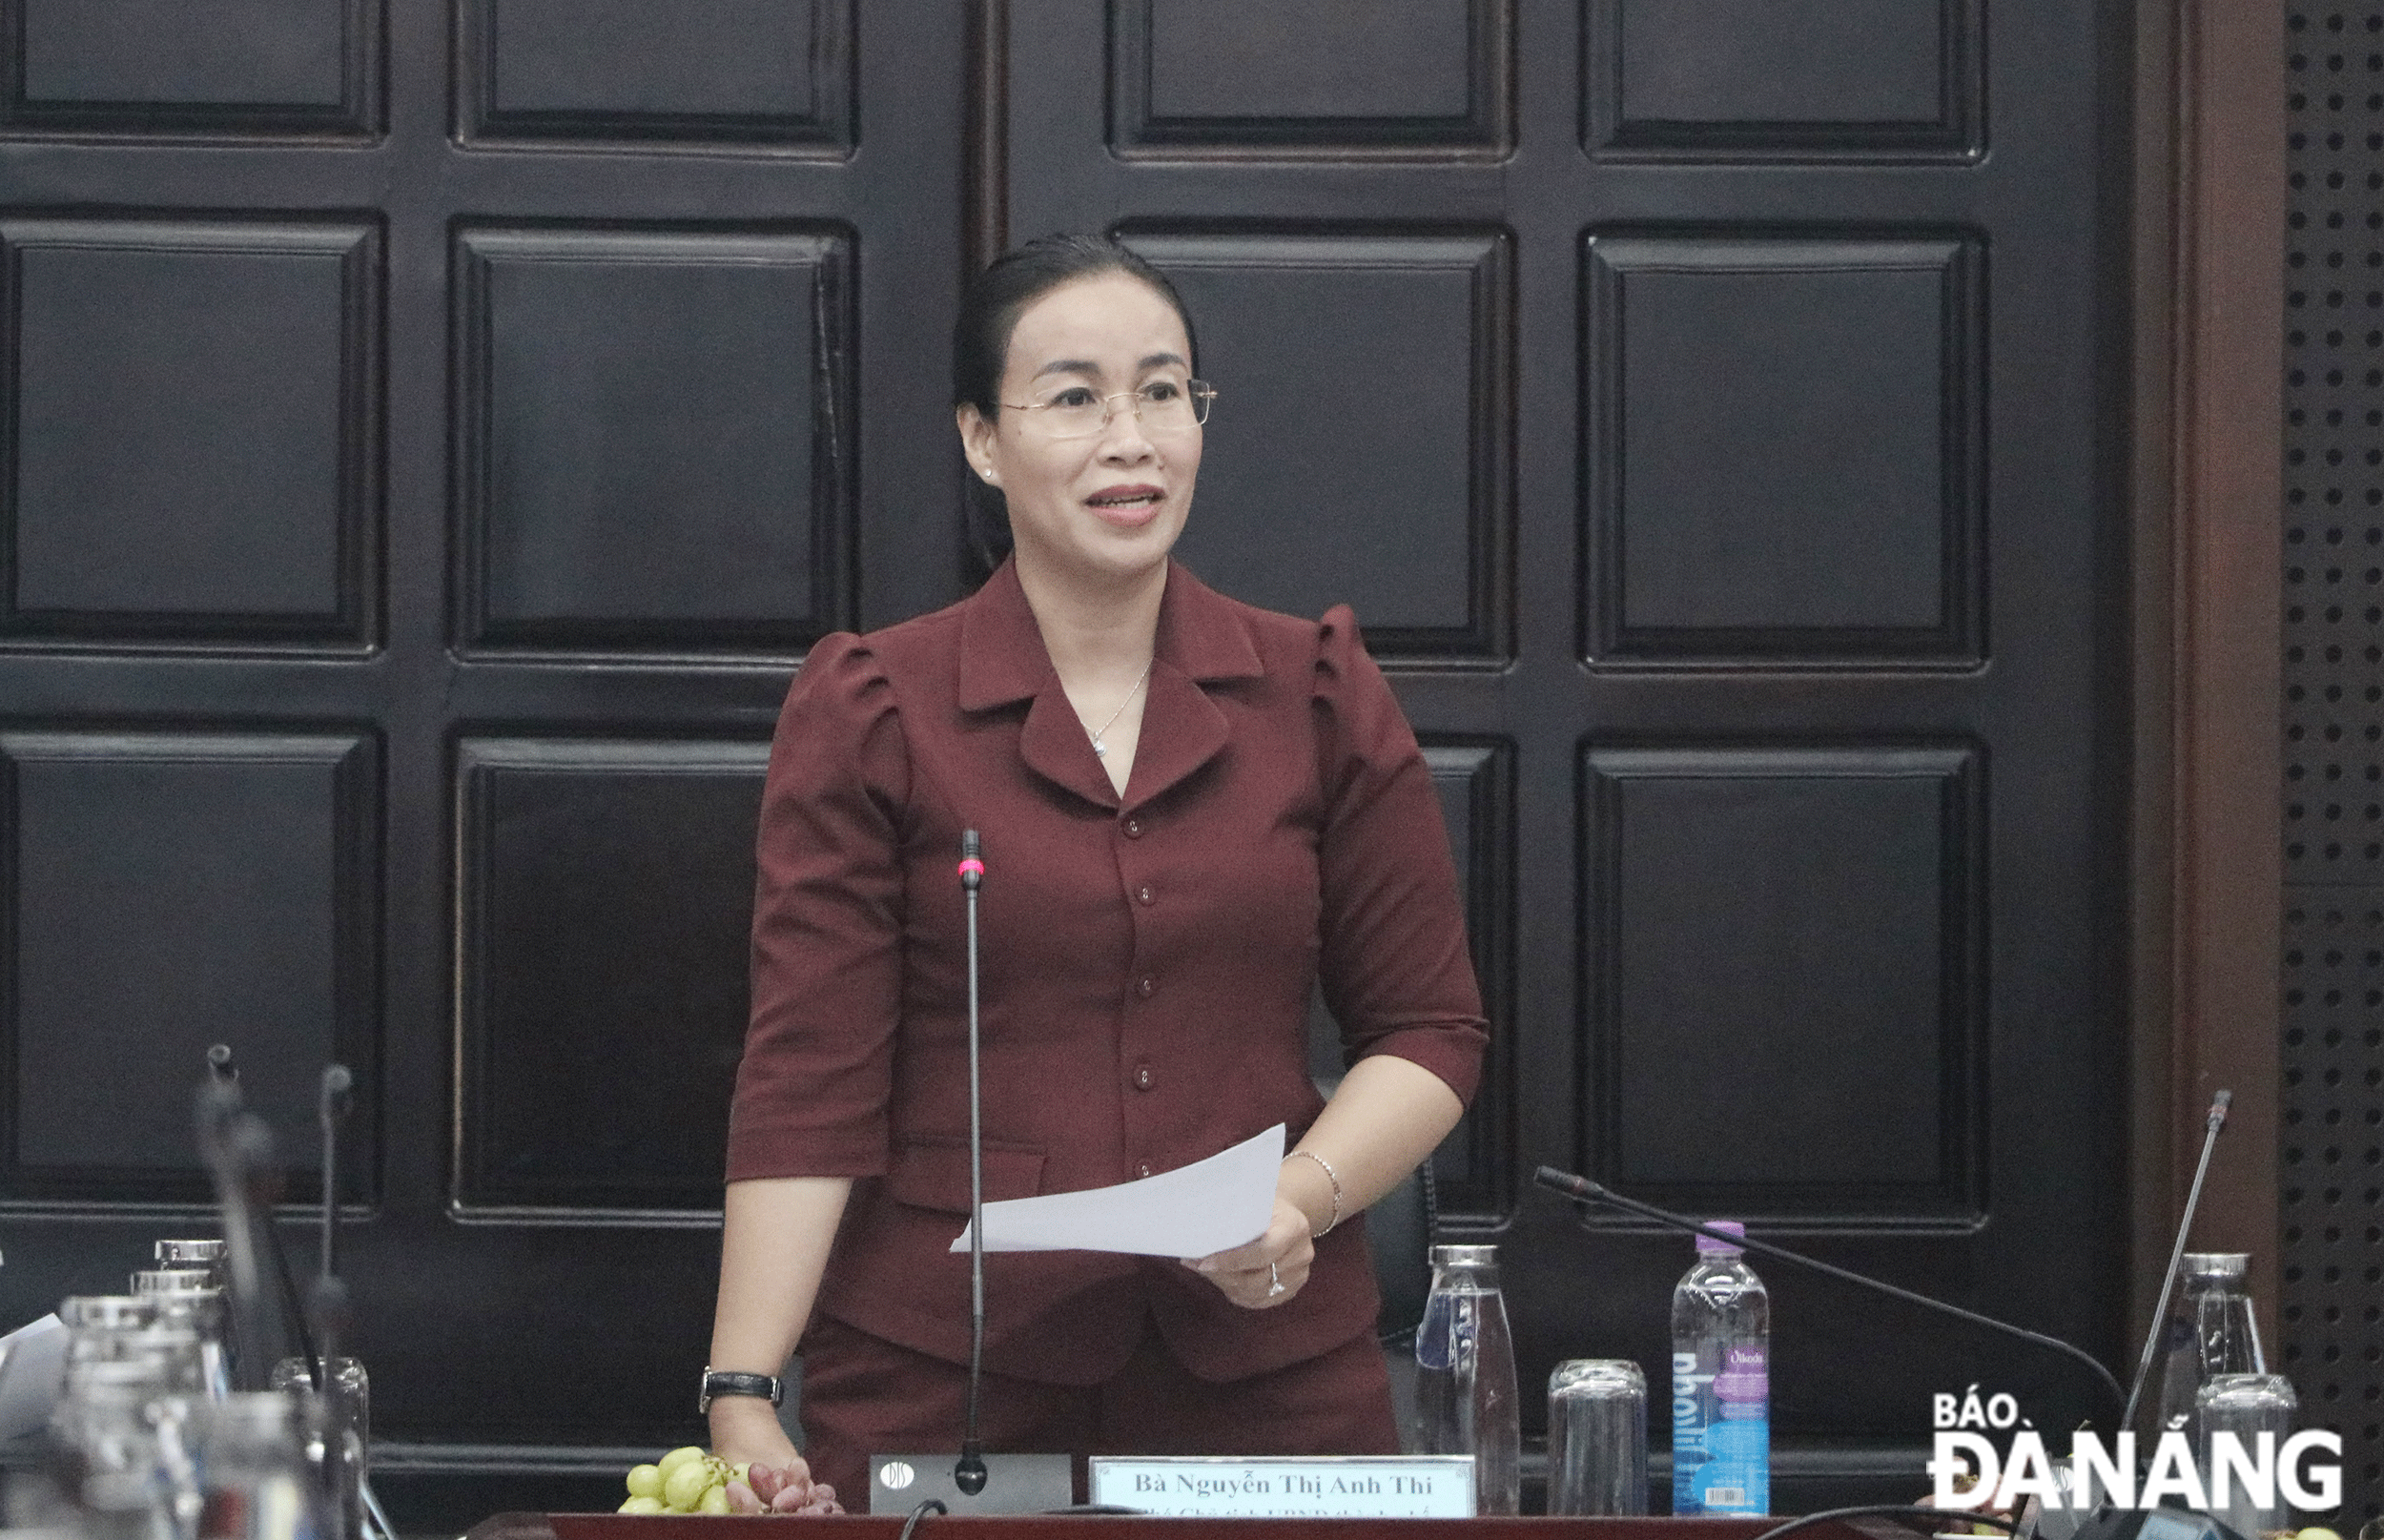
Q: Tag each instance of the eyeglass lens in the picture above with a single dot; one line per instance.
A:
(1164, 407)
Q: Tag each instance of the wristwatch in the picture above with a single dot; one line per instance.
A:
(718, 1383)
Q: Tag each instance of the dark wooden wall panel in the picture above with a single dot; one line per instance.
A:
(1784, 79)
(648, 443)
(1320, 407)
(188, 450)
(1476, 1167)
(1783, 444)
(456, 376)
(178, 66)
(1785, 946)
(166, 892)
(605, 893)
(776, 72)
(1310, 76)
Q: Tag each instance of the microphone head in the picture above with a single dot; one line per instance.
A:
(969, 1475)
(327, 1305)
(219, 1063)
(972, 863)
(1566, 1183)
(242, 1152)
(217, 1103)
(971, 847)
(337, 1083)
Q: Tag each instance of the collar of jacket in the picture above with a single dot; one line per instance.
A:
(1202, 638)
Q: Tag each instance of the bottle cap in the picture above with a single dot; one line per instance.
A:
(190, 1253)
(1465, 1256)
(1708, 1246)
(107, 1312)
(2217, 1266)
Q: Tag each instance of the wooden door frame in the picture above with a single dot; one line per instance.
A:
(2205, 477)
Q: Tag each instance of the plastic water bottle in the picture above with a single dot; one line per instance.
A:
(1465, 1363)
(1721, 1345)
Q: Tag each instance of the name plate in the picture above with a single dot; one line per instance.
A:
(1351, 1486)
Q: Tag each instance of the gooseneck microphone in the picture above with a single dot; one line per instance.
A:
(969, 1475)
(1591, 1192)
(327, 1309)
(1003, 1483)
(332, 1110)
(2212, 1123)
(238, 1149)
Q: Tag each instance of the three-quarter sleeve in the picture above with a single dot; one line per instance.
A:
(812, 1088)
(1396, 973)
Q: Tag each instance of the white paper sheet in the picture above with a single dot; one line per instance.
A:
(1207, 1206)
(32, 1368)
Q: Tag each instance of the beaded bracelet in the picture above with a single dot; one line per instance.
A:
(1331, 1176)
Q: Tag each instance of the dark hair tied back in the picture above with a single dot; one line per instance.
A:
(990, 308)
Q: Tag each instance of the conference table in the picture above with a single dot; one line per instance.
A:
(1119, 1526)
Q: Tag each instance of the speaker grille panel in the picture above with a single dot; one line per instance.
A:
(2333, 1159)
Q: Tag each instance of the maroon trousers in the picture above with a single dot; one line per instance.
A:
(864, 1396)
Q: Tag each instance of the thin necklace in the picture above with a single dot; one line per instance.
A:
(1100, 749)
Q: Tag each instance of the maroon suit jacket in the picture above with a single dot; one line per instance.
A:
(1147, 961)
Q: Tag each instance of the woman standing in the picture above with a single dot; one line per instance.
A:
(1193, 810)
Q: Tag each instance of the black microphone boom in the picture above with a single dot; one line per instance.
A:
(1008, 1483)
(969, 1473)
(1591, 1192)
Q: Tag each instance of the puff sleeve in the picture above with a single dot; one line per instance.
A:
(1396, 973)
(812, 1088)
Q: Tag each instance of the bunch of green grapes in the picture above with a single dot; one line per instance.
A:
(687, 1480)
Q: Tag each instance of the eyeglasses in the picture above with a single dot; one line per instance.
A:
(1161, 406)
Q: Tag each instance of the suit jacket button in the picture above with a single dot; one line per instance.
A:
(1133, 828)
(1143, 1170)
(1145, 895)
(1142, 1078)
(1146, 986)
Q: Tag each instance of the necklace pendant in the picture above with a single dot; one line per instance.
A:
(1100, 749)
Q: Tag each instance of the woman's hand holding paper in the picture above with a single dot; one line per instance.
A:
(1270, 1270)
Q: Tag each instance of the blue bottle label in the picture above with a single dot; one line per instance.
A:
(1433, 1347)
(1721, 1431)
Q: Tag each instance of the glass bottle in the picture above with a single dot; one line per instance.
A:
(2211, 1331)
(1465, 1362)
(342, 1420)
(186, 1299)
(109, 1462)
(258, 1482)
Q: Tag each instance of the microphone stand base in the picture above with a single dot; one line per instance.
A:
(1014, 1483)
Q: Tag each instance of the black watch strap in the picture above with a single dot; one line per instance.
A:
(718, 1383)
